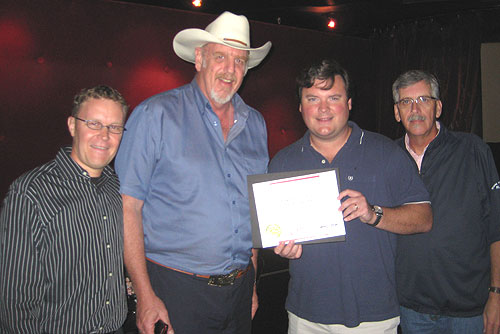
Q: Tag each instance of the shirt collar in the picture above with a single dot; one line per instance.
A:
(407, 141)
(71, 170)
(355, 138)
(419, 157)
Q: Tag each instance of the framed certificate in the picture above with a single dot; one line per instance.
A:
(300, 206)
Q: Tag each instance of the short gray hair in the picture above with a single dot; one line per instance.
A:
(410, 78)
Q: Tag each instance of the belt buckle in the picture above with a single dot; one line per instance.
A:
(223, 280)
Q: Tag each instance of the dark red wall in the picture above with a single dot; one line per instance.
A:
(49, 50)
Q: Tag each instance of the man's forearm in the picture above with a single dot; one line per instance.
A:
(134, 254)
(407, 219)
(495, 264)
(491, 314)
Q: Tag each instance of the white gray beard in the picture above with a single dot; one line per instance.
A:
(220, 100)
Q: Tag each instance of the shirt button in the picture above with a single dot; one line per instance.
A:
(108, 246)
(85, 173)
(104, 217)
(107, 302)
(215, 123)
(101, 328)
(236, 231)
(110, 274)
(323, 161)
(228, 175)
(350, 177)
(234, 202)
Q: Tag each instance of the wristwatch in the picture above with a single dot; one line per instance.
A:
(379, 212)
(494, 289)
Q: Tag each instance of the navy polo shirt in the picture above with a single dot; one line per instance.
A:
(352, 281)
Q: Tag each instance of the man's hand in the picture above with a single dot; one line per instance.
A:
(149, 312)
(491, 315)
(356, 206)
(288, 250)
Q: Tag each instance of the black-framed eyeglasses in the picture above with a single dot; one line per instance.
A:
(423, 100)
(96, 125)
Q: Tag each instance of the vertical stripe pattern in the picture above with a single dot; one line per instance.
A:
(61, 252)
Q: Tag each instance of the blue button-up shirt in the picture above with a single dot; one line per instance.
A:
(193, 183)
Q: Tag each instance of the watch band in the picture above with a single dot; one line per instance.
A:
(494, 289)
(379, 213)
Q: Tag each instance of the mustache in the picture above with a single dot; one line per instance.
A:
(226, 76)
(416, 118)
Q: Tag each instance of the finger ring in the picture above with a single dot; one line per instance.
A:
(355, 207)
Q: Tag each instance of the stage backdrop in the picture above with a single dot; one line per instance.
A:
(49, 50)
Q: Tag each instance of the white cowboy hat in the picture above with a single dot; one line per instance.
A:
(227, 29)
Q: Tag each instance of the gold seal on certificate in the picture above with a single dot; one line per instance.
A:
(274, 229)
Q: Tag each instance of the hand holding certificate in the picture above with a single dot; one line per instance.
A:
(300, 206)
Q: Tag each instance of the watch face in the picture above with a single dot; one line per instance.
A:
(379, 213)
(378, 210)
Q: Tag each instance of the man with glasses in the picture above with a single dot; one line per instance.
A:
(61, 231)
(448, 279)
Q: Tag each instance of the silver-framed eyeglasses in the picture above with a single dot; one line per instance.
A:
(96, 125)
(423, 100)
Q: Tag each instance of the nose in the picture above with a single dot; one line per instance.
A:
(104, 132)
(415, 106)
(229, 64)
(324, 106)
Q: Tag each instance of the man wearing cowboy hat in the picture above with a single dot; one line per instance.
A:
(183, 166)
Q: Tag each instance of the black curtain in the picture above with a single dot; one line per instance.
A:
(447, 46)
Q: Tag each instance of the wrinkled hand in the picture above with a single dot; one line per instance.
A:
(149, 311)
(356, 206)
(288, 250)
(491, 315)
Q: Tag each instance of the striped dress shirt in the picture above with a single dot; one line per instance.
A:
(61, 251)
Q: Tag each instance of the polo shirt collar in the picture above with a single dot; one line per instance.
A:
(355, 138)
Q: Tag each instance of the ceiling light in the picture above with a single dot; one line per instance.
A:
(331, 23)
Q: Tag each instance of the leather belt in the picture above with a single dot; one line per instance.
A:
(213, 280)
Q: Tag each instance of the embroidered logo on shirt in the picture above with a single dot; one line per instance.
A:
(496, 186)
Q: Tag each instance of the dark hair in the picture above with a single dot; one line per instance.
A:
(324, 70)
(410, 78)
(98, 92)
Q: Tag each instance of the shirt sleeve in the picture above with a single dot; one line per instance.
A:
(21, 271)
(139, 151)
(403, 180)
(489, 186)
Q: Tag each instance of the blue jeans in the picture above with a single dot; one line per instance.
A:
(413, 322)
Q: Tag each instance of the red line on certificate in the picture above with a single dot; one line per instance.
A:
(303, 178)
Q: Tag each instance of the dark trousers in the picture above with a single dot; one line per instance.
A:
(194, 307)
